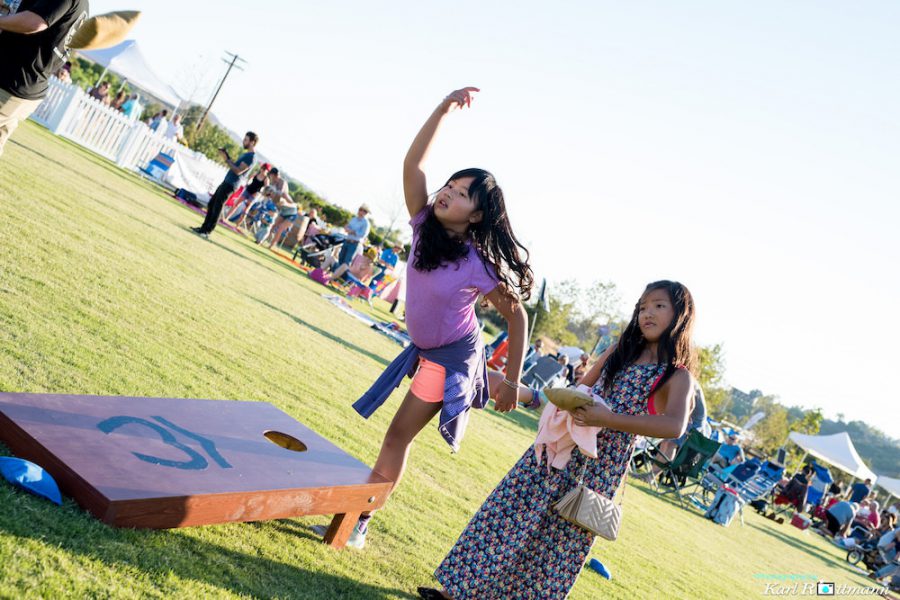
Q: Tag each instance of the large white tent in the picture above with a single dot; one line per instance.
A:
(890, 485)
(837, 450)
(126, 60)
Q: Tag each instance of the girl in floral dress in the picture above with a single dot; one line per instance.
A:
(517, 545)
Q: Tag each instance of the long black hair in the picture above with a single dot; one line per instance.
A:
(493, 238)
(675, 347)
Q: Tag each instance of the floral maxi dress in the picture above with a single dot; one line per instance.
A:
(516, 545)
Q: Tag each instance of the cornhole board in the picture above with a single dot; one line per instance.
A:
(167, 462)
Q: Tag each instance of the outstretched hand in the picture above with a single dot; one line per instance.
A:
(506, 399)
(459, 98)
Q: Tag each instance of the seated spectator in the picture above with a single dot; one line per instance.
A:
(314, 228)
(360, 269)
(888, 544)
(839, 517)
(697, 420)
(730, 453)
(868, 515)
(387, 261)
(265, 217)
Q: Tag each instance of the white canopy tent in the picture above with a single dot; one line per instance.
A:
(126, 60)
(890, 485)
(837, 450)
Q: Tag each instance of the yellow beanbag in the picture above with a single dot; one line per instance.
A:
(104, 31)
(568, 398)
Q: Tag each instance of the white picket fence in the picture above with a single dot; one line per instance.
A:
(69, 112)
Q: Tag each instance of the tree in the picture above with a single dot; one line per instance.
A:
(711, 373)
(209, 140)
(554, 323)
(809, 422)
(86, 74)
(586, 309)
(711, 366)
(772, 431)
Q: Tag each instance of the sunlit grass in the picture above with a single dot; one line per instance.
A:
(103, 290)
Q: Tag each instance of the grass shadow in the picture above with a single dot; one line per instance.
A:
(323, 333)
(97, 160)
(162, 553)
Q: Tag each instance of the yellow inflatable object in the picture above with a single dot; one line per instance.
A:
(104, 31)
(567, 398)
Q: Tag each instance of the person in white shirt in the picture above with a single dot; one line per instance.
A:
(175, 130)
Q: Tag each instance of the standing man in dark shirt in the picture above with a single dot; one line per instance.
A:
(859, 491)
(231, 182)
(34, 44)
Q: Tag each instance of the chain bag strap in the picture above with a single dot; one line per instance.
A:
(589, 510)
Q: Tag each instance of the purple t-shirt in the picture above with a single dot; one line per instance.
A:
(440, 304)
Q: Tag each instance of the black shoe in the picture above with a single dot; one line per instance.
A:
(195, 229)
(430, 594)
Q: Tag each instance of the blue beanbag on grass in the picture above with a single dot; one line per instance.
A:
(30, 478)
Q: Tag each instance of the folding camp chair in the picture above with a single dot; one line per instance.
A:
(689, 465)
(791, 497)
(756, 488)
(157, 167)
(543, 373)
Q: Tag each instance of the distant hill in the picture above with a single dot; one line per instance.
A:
(880, 452)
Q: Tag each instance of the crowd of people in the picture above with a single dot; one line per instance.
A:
(260, 204)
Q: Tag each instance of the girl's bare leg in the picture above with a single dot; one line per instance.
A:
(411, 417)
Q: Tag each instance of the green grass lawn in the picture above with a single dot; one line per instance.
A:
(104, 291)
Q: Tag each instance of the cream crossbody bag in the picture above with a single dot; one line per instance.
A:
(589, 510)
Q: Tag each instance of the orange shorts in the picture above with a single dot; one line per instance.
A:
(428, 382)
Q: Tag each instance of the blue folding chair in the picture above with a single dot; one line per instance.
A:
(157, 167)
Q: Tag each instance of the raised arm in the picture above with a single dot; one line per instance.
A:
(414, 186)
(237, 168)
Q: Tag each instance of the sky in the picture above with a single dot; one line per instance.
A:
(748, 150)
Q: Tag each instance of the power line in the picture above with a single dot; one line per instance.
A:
(231, 65)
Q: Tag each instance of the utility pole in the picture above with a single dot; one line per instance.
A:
(231, 65)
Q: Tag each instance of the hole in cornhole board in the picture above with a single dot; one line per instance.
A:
(286, 441)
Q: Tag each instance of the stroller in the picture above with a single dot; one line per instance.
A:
(313, 252)
(869, 554)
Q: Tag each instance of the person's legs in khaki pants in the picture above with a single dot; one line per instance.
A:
(13, 110)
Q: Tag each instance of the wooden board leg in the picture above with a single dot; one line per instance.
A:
(340, 529)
